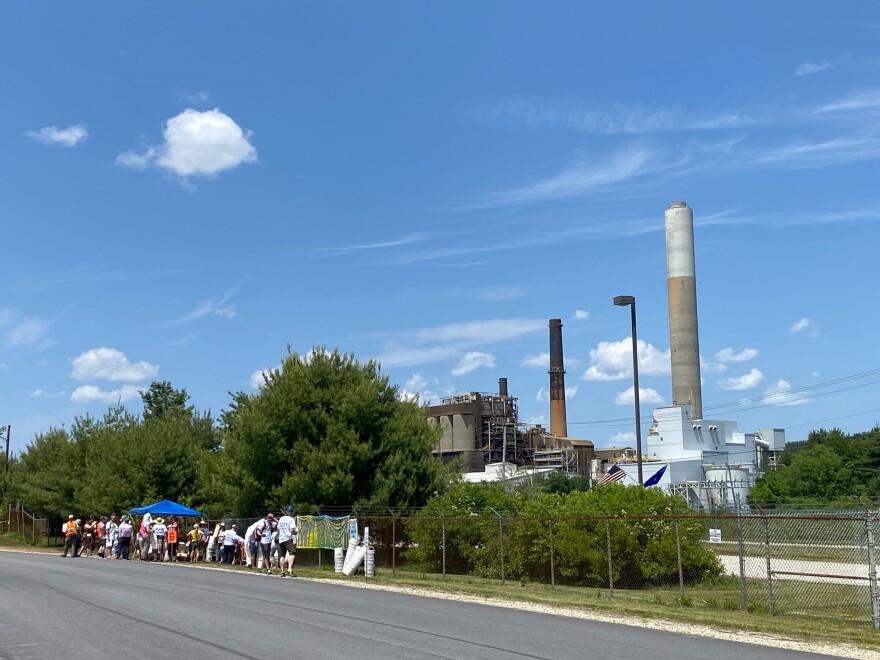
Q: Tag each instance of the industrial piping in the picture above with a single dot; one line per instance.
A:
(681, 285)
(558, 422)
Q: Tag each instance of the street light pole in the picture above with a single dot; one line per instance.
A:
(630, 301)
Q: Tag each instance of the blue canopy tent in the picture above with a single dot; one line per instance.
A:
(166, 508)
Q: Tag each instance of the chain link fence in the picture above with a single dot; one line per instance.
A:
(820, 566)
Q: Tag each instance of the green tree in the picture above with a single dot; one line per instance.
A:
(162, 398)
(326, 430)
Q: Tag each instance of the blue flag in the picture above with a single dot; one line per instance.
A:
(655, 478)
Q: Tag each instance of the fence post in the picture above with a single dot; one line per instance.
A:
(678, 554)
(393, 541)
(500, 539)
(743, 595)
(610, 564)
(443, 543)
(872, 565)
(767, 557)
(552, 558)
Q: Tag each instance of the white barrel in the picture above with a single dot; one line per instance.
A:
(370, 562)
(359, 554)
(338, 559)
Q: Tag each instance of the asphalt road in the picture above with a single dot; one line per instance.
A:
(52, 607)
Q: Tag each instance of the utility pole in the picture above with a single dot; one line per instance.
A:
(6, 467)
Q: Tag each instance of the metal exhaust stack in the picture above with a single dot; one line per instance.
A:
(502, 387)
(681, 285)
(558, 422)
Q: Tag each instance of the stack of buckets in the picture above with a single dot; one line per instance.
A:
(355, 555)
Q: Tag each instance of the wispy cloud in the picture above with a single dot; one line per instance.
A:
(805, 325)
(581, 314)
(810, 68)
(216, 305)
(581, 179)
(444, 342)
(780, 394)
(65, 137)
(856, 101)
(408, 239)
(836, 151)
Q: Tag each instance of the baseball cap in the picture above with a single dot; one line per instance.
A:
(289, 508)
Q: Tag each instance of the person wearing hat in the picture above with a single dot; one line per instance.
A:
(159, 533)
(264, 531)
(69, 531)
(215, 542)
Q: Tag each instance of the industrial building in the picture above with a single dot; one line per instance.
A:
(710, 463)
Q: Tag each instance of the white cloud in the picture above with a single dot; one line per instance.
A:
(472, 361)
(744, 382)
(805, 325)
(780, 394)
(66, 137)
(622, 439)
(731, 355)
(582, 179)
(194, 98)
(37, 393)
(612, 360)
(110, 364)
(646, 395)
(581, 315)
(227, 312)
(27, 331)
(93, 393)
(543, 394)
(835, 151)
(196, 143)
(809, 68)
(480, 331)
(257, 379)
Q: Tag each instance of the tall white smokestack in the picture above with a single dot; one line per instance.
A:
(681, 284)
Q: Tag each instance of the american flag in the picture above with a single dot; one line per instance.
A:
(616, 473)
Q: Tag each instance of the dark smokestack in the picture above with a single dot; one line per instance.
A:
(502, 387)
(558, 423)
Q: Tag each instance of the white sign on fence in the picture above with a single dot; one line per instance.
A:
(714, 536)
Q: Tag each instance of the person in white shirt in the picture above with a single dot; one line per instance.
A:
(159, 533)
(265, 530)
(110, 535)
(251, 544)
(145, 535)
(230, 538)
(287, 541)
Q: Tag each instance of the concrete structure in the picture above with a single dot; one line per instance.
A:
(484, 429)
(558, 422)
(708, 462)
(681, 283)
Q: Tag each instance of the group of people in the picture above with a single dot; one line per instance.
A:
(267, 543)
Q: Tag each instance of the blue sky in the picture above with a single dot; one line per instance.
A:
(187, 190)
